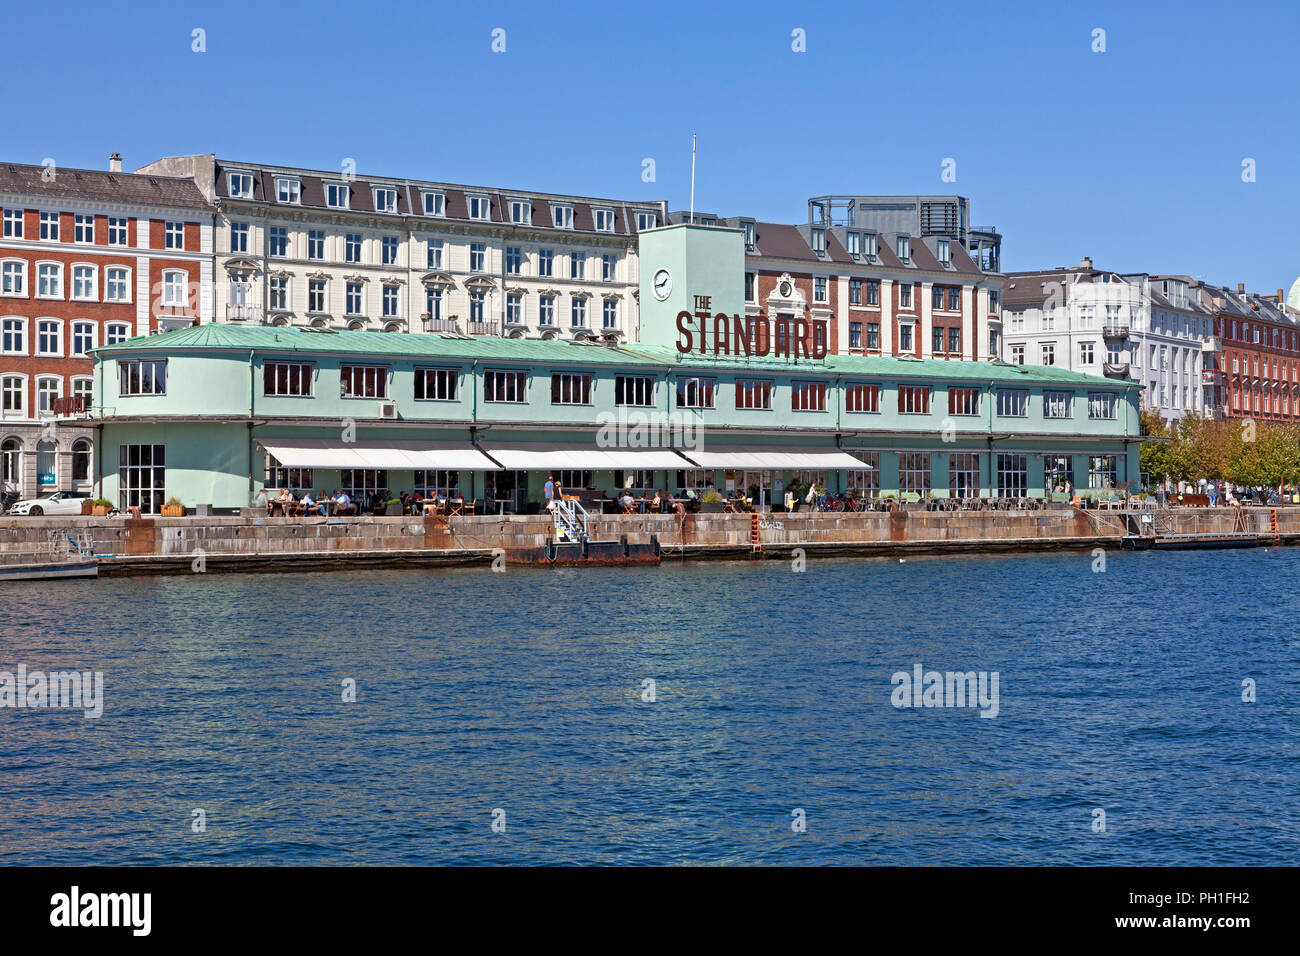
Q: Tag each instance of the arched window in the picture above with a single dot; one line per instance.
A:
(11, 459)
(117, 284)
(81, 460)
(83, 283)
(46, 473)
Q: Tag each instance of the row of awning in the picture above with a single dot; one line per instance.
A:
(531, 456)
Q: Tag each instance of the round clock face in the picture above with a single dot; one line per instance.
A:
(663, 284)
(785, 290)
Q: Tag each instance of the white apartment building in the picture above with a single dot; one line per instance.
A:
(1142, 328)
(337, 251)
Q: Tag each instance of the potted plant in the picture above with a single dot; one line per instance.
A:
(172, 508)
(86, 505)
(100, 507)
(711, 502)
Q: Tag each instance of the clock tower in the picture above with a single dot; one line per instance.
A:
(687, 268)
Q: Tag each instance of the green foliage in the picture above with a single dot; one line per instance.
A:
(1244, 452)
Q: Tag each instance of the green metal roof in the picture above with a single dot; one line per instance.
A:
(266, 338)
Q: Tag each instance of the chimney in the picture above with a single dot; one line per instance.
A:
(115, 163)
(1241, 287)
(1087, 263)
(1279, 297)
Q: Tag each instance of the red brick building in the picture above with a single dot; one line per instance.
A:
(1259, 354)
(87, 257)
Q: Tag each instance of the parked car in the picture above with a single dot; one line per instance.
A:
(59, 503)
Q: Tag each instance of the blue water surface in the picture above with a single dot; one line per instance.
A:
(522, 691)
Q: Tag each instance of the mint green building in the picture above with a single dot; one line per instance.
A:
(218, 414)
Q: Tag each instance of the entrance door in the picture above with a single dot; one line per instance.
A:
(757, 485)
(512, 486)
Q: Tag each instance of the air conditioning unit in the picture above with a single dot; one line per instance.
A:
(388, 410)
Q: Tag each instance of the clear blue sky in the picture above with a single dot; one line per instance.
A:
(1132, 156)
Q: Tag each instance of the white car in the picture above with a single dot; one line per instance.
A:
(59, 503)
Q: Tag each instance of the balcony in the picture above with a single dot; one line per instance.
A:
(1115, 330)
(1216, 412)
(438, 325)
(484, 328)
(1210, 376)
(1115, 370)
(1212, 344)
(243, 313)
(72, 406)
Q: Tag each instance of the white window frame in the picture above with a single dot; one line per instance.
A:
(81, 223)
(521, 212)
(243, 178)
(42, 391)
(387, 192)
(93, 294)
(19, 410)
(48, 229)
(434, 202)
(112, 327)
(169, 286)
(78, 326)
(119, 231)
(173, 232)
(476, 204)
(434, 257)
(21, 273)
(602, 219)
(7, 322)
(109, 273)
(562, 215)
(58, 277)
(645, 220)
(288, 190)
(13, 223)
(341, 193)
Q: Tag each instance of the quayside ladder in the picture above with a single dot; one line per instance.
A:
(571, 520)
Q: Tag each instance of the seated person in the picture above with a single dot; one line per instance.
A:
(656, 503)
(343, 503)
(309, 505)
(627, 500)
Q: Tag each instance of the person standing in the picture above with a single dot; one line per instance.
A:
(549, 492)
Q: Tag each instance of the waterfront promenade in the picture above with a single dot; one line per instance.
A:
(254, 542)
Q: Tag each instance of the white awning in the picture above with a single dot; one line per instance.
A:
(393, 455)
(535, 456)
(762, 458)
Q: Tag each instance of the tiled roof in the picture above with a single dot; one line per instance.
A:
(98, 184)
(436, 347)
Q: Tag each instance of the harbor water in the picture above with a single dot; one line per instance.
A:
(692, 713)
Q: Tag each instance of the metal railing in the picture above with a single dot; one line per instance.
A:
(570, 520)
(243, 313)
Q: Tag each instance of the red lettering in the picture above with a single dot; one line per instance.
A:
(704, 335)
(684, 341)
(720, 329)
(740, 329)
(820, 341)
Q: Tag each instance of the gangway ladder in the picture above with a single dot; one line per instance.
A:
(1272, 520)
(63, 545)
(755, 546)
(570, 521)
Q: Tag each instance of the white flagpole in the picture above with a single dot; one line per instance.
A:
(692, 179)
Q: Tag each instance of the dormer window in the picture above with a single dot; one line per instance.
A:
(287, 189)
(240, 185)
(944, 251)
(521, 211)
(337, 195)
(818, 241)
(562, 216)
(851, 240)
(870, 246)
(480, 207)
(750, 235)
(385, 199)
(604, 220)
(903, 248)
(644, 221)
